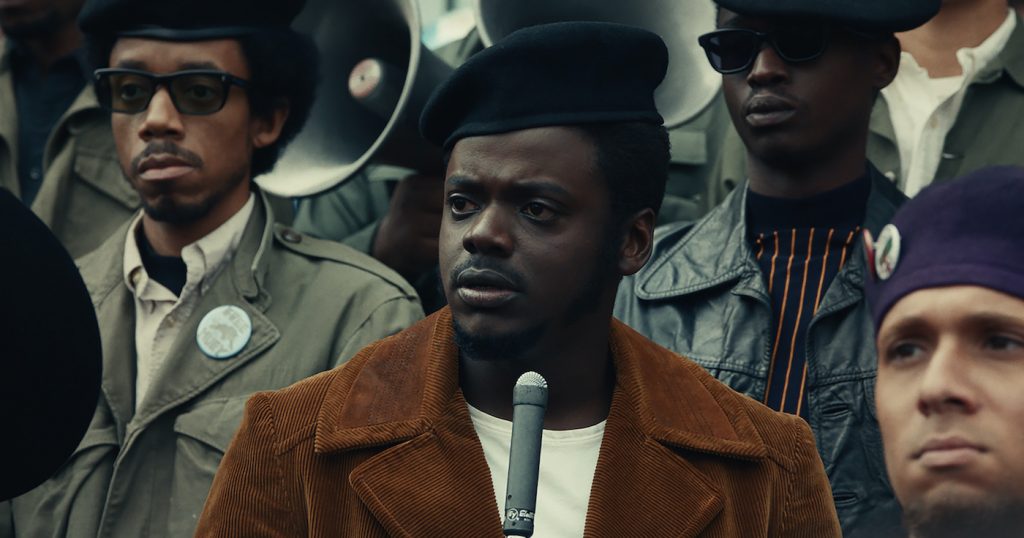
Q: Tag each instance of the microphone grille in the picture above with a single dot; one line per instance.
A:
(532, 379)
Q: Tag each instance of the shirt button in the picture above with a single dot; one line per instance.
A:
(891, 175)
(291, 236)
(35, 174)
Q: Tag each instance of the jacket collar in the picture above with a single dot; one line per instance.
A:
(103, 268)
(397, 396)
(1010, 59)
(715, 250)
(103, 274)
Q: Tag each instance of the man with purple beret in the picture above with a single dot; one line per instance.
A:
(947, 299)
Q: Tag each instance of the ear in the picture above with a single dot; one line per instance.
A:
(887, 62)
(267, 129)
(638, 242)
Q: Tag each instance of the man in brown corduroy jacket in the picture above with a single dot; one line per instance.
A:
(556, 171)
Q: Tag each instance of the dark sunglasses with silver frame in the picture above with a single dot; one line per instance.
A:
(195, 92)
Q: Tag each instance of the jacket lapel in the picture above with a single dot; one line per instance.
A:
(187, 371)
(660, 411)
(457, 497)
(637, 475)
(115, 312)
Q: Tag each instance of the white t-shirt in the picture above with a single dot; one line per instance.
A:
(923, 109)
(568, 460)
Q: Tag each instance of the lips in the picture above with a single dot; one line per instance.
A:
(949, 451)
(163, 167)
(768, 110)
(485, 288)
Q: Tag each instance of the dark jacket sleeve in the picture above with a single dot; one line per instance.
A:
(808, 510)
(249, 497)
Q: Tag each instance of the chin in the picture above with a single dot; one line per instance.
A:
(957, 512)
(168, 210)
(494, 345)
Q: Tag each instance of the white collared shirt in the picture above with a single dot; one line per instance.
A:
(158, 312)
(924, 109)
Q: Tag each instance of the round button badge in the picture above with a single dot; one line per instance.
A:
(224, 332)
(887, 252)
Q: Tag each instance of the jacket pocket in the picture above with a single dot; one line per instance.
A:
(202, 435)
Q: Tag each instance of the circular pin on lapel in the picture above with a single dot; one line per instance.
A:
(224, 332)
(887, 252)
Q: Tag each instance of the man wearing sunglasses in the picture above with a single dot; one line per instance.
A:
(201, 298)
(761, 291)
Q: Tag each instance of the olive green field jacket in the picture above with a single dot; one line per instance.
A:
(146, 472)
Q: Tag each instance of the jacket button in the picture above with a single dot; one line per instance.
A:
(291, 236)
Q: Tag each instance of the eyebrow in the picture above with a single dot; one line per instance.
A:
(972, 321)
(522, 186)
(136, 64)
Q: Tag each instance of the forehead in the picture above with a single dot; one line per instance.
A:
(561, 155)
(954, 308)
(168, 56)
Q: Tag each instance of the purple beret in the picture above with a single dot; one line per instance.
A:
(966, 232)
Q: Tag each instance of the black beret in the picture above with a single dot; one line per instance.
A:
(567, 73)
(872, 15)
(51, 356)
(185, 20)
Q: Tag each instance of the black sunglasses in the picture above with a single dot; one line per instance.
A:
(733, 50)
(195, 92)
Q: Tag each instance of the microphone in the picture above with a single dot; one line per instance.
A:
(529, 400)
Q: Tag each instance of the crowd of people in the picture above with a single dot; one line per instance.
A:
(815, 329)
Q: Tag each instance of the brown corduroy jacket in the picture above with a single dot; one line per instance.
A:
(384, 446)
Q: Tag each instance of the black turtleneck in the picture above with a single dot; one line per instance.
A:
(800, 246)
(169, 271)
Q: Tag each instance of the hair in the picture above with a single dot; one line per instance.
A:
(633, 158)
(284, 70)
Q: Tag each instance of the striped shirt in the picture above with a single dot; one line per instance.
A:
(800, 246)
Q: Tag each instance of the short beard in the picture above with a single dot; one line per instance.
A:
(997, 518)
(496, 348)
(166, 209)
(48, 24)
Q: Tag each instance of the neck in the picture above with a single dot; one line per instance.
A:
(47, 49)
(803, 178)
(959, 24)
(169, 238)
(576, 364)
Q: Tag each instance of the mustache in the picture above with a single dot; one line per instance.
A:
(166, 147)
(514, 277)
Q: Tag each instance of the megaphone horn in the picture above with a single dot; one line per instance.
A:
(376, 77)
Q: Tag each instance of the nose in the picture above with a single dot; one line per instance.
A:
(946, 384)
(490, 233)
(161, 119)
(768, 68)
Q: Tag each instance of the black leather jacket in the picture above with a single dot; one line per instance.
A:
(703, 296)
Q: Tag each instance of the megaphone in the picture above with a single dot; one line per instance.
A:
(690, 84)
(373, 47)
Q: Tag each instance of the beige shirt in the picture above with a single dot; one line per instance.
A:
(924, 109)
(158, 312)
